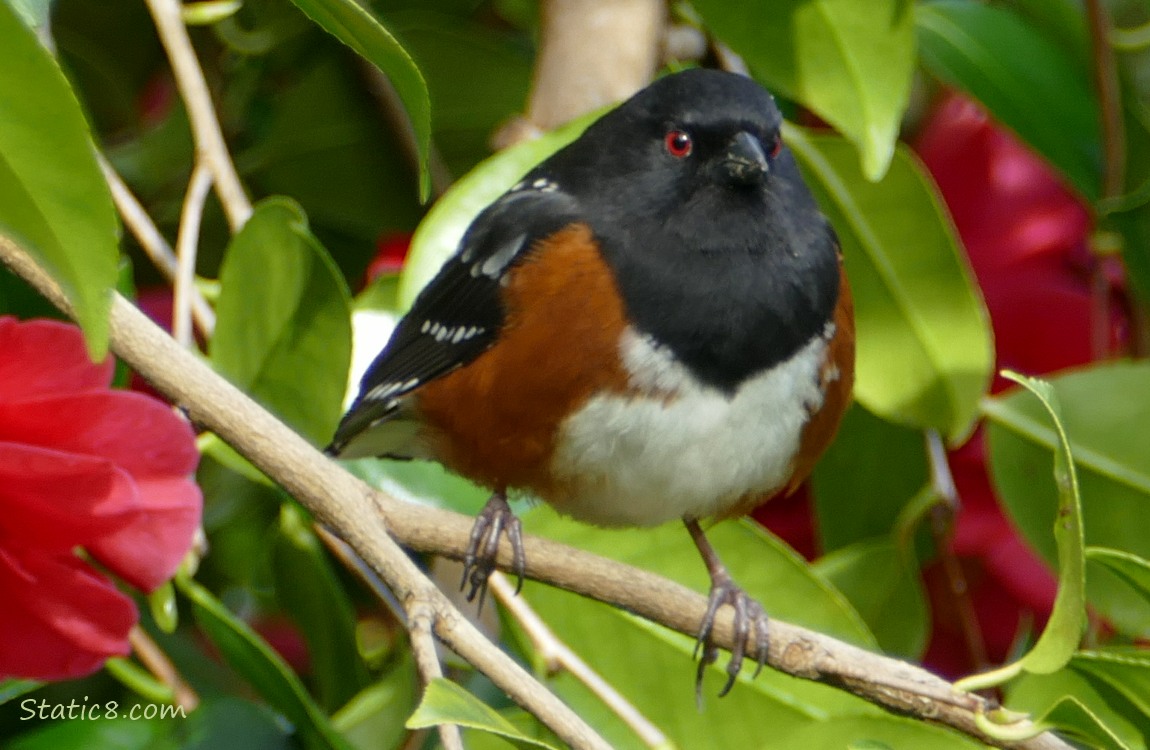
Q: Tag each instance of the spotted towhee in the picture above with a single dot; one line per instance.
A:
(653, 324)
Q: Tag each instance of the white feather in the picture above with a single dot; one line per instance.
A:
(684, 449)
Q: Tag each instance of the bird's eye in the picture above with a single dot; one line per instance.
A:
(776, 145)
(679, 144)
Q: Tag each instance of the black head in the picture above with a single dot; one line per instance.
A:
(720, 250)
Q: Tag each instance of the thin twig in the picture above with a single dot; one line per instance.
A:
(153, 657)
(420, 619)
(372, 522)
(557, 655)
(209, 138)
(157, 249)
(1109, 100)
(942, 517)
(187, 243)
(338, 499)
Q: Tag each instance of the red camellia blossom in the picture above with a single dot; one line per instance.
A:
(1025, 235)
(82, 467)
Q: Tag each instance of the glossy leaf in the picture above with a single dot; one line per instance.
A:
(851, 63)
(53, 198)
(1021, 76)
(1132, 569)
(924, 346)
(663, 690)
(261, 666)
(1067, 621)
(441, 230)
(375, 716)
(1111, 448)
(34, 12)
(308, 589)
(1126, 670)
(121, 733)
(876, 732)
(356, 27)
(882, 583)
(856, 494)
(444, 702)
(14, 688)
(284, 331)
(1077, 708)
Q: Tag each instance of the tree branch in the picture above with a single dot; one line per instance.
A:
(371, 522)
(348, 506)
(209, 139)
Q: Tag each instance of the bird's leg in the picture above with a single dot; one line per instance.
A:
(748, 615)
(495, 520)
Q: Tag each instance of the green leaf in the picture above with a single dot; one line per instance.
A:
(444, 702)
(14, 688)
(882, 582)
(477, 75)
(34, 12)
(613, 642)
(53, 198)
(424, 482)
(310, 592)
(1125, 670)
(349, 22)
(1105, 409)
(851, 63)
(438, 235)
(876, 732)
(121, 733)
(1077, 707)
(924, 343)
(232, 722)
(284, 320)
(262, 667)
(375, 716)
(1067, 621)
(1048, 101)
(857, 465)
(1132, 569)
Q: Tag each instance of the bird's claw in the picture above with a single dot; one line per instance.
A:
(493, 522)
(749, 617)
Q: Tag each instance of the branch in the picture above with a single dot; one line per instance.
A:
(354, 510)
(371, 522)
(591, 53)
(210, 144)
(187, 243)
(420, 622)
(153, 243)
(557, 656)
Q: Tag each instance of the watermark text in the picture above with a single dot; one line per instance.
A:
(32, 708)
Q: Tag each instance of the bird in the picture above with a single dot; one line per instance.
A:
(652, 325)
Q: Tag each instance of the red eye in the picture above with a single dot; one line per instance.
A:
(678, 143)
(776, 146)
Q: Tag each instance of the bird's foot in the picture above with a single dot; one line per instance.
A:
(749, 618)
(493, 522)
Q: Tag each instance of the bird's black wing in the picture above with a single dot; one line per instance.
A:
(459, 314)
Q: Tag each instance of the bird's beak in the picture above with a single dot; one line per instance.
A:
(745, 162)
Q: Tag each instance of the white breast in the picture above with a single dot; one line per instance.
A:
(680, 449)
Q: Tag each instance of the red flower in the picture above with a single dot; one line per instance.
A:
(81, 466)
(1025, 234)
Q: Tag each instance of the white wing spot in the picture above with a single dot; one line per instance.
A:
(426, 325)
(493, 265)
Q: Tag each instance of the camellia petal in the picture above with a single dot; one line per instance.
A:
(46, 357)
(82, 467)
(54, 501)
(61, 619)
(144, 438)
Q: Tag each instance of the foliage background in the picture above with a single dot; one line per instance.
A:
(336, 180)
